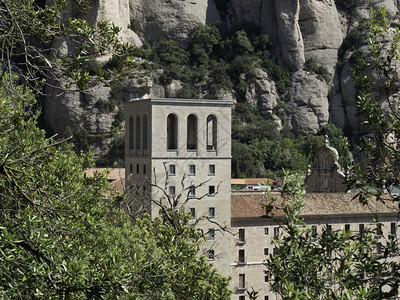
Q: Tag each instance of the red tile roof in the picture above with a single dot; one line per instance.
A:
(246, 181)
(252, 205)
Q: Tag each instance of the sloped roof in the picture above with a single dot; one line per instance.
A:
(112, 173)
(245, 181)
(115, 177)
(249, 205)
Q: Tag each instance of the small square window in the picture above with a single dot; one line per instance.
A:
(242, 281)
(266, 251)
(192, 170)
(144, 169)
(241, 256)
(379, 248)
(265, 230)
(211, 170)
(314, 231)
(171, 170)
(393, 228)
(211, 234)
(211, 190)
(192, 212)
(379, 229)
(192, 191)
(211, 212)
(210, 254)
(242, 297)
(137, 169)
(241, 235)
(276, 232)
(172, 190)
(266, 297)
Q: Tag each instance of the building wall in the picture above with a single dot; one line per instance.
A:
(158, 159)
(256, 241)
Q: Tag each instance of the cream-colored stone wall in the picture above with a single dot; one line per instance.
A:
(256, 241)
(158, 159)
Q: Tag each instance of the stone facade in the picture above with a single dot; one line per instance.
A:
(326, 176)
(254, 231)
(180, 150)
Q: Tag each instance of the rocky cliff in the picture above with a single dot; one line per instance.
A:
(303, 33)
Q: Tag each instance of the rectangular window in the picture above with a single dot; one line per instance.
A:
(242, 297)
(328, 228)
(137, 169)
(192, 212)
(241, 256)
(211, 170)
(276, 232)
(211, 212)
(314, 231)
(171, 170)
(241, 235)
(211, 190)
(378, 248)
(242, 281)
(210, 254)
(347, 227)
(192, 191)
(361, 228)
(266, 251)
(192, 170)
(144, 169)
(266, 297)
(172, 190)
(393, 228)
(211, 234)
(379, 229)
(265, 230)
(266, 278)
(131, 168)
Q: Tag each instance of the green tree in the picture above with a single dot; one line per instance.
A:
(376, 80)
(339, 264)
(28, 33)
(65, 235)
(332, 265)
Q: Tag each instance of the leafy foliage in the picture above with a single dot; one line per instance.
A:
(378, 103)
(331, 265)
(64, 235)
(260, 150)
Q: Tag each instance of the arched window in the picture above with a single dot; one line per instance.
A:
(131, 133)
(144, 132)
(137, 133)
(211, 132)
(191, 132)
(172, 132)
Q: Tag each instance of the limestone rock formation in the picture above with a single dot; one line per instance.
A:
(308, 110)
(300, 32)
(172, 19)
(263, 95)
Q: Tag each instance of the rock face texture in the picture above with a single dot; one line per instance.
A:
(303, 33)
(172, 19)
